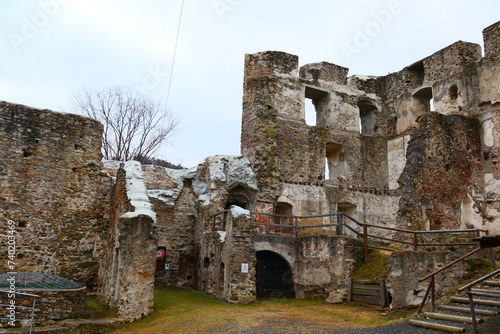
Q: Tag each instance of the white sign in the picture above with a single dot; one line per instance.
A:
(244, 268)
(167, 266)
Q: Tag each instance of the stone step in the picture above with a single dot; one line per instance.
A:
(450, 317)
(485, 302)
(467, 310)
(439, 327)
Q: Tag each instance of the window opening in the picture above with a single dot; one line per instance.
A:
(453, 92)
(367, 118)
(424, 100)
(334, 161)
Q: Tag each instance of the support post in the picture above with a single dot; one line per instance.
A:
(340, 226)
(493, 258)
(365, 241)
(472, 310)
(433, 292)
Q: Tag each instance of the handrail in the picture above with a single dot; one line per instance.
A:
(468, 287)
(342, 222)
(450, 264)
(479, 280)
(33, 305)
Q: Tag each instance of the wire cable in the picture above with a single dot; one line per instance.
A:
(175, 52)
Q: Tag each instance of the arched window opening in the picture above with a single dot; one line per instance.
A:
(274, 276)
(237, 196)
(423, 99)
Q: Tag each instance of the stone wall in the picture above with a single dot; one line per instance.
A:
(443, 169)
(406, 268)
(224, 254)
(126, 275)
(50, 306)
(321, 264)
(172, 194)
(52, 187)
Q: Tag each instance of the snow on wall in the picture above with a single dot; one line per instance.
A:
(136, 191)
(230, 170)
(169, 196)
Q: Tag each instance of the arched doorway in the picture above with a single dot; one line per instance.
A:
(274, 276)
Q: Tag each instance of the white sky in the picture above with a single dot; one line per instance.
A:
(50, 49)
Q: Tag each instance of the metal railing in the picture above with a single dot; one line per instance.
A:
(15, 307)
(432, 284)
(471, 293)
(340, 223)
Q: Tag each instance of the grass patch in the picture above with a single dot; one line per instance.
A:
(477, 268)
(374, 268)
(189, 311)
(95, 309)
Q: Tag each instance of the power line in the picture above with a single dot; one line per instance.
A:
(175, 52)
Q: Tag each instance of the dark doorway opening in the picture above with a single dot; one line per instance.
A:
(274, 277)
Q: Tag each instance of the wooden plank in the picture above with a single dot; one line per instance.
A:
(367, 287)
(366, 299)
(366, 282)
(364, 292)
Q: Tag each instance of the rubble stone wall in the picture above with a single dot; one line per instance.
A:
(52, 187)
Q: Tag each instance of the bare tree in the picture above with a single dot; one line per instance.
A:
(134, 125)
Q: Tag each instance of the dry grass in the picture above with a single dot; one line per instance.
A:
(188, 311)
(375, 268)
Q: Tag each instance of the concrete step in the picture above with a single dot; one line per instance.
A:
(450, 317)
(463, 300)
(439, 327)
(459, 309)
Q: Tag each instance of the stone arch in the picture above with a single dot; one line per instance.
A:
(274, 276)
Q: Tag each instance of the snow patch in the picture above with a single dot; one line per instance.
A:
(169, 196)
(222, 235)
(237, 211)
(231, 170)
(136, 191)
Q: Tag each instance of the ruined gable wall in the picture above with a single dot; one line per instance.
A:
(52, 187)
(126, 274)
(174, 200)
(443, 168)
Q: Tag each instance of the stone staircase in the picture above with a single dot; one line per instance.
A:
(455, 316)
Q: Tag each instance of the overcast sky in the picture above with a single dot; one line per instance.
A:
(50, 49)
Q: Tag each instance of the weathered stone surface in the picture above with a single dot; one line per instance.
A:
(52, 187)
(406, 268)
(443, 167)
(126, 275)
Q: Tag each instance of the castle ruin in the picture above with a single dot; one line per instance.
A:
(415, 150)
